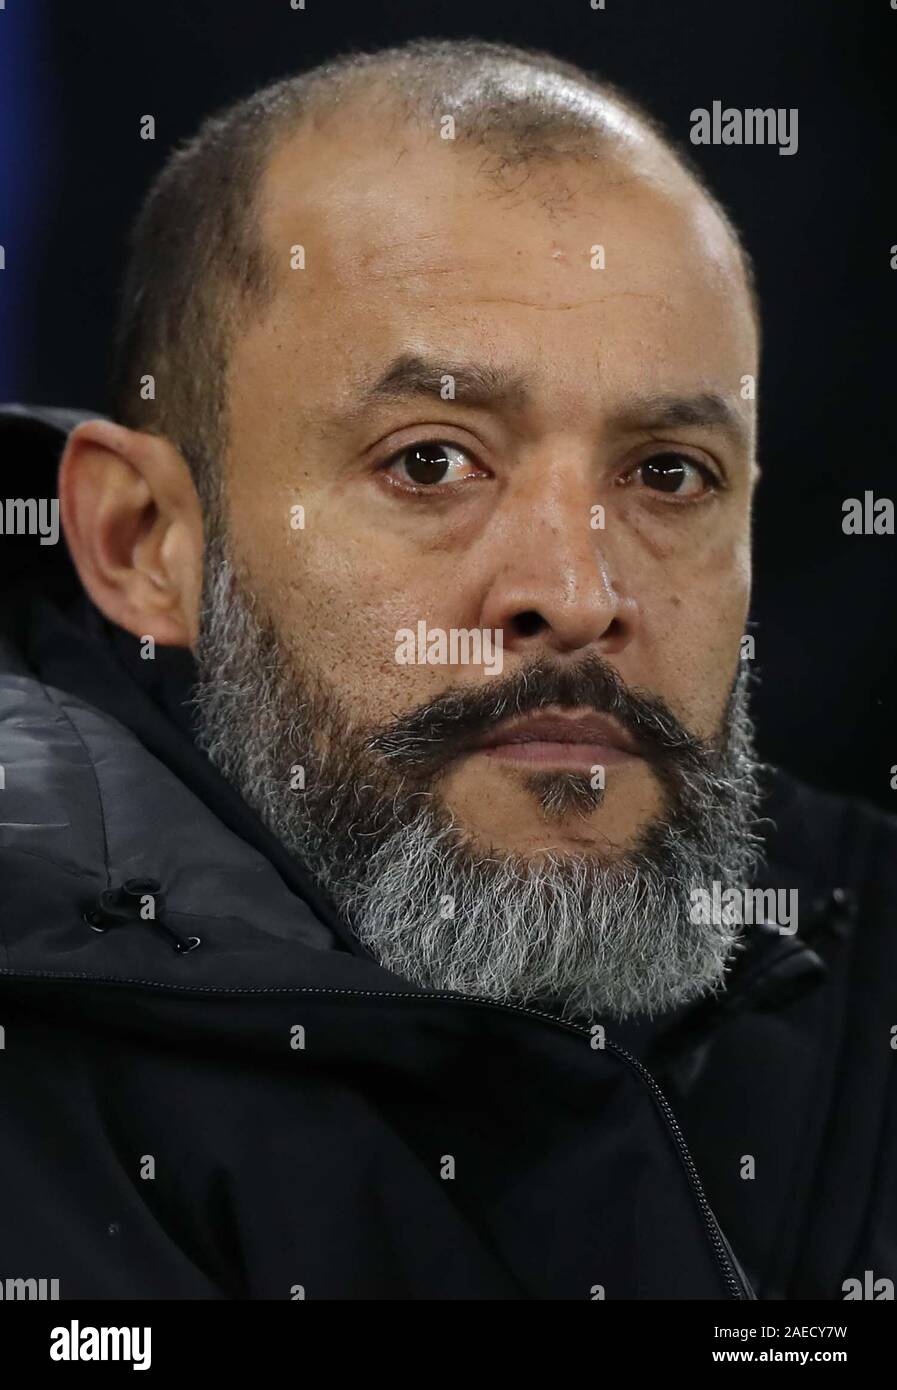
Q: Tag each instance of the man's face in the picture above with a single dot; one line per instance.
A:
(598, 504)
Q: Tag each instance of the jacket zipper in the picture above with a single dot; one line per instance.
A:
(734, 1280)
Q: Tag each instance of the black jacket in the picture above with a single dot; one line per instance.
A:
(235, 1101)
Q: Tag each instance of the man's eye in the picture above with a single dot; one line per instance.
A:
(676, 475)
(430, 463)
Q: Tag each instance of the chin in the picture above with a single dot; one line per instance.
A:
(538, 836)
(538, 814)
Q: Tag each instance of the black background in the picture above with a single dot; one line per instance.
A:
(77, 75)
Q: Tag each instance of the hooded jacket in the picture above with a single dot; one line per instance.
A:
(208, 1089)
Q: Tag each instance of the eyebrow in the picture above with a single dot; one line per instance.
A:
(474, 383)
(705, 409)
(482, 385)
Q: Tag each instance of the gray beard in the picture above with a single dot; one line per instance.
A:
(575, 933)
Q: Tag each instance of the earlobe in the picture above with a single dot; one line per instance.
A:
(133, 524)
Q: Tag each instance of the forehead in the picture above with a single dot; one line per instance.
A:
(412, 243)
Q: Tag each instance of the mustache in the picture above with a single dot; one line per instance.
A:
(428, 737)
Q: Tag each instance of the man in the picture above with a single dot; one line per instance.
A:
(382, 821)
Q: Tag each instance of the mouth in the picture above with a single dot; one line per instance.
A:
(565, 741)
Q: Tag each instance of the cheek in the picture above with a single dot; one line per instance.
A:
(340, 600)
(694, 631)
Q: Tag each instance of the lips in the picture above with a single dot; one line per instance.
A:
(564, 740)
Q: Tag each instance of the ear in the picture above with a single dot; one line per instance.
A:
(133, 523)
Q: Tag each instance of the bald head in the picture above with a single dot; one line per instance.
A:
(207, 255)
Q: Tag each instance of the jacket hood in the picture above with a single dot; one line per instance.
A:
(102, 769)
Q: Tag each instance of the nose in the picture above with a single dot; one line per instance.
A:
(555, 585)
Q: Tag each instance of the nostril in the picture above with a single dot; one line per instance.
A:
(529, 623)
